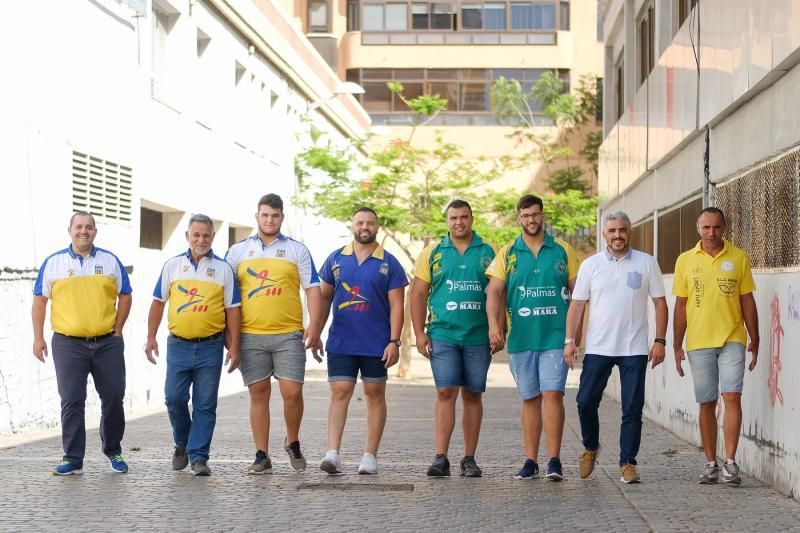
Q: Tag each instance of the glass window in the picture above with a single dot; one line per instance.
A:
(563, 16)
(376, 74)
(473, 74)
(442, 18)
(373, 17)
(409, 74)
(507, 73)
(397, 17)
(474, 97)
(377, 98)
(442, 74)
(318, 17)
(449, 91)
(471, 17)
(410, 91)
(420, 17)
(544, 16)
(521, 16)
(494, 16)
(352, 15)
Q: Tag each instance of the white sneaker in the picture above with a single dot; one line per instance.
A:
(332, 463)
(369, 464)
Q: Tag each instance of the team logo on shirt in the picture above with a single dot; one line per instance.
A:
(464, 286)
(250, 253)
(357, 301)
(384, 269)
(98, 269)
(267, 286)
(280, 253)
(561, 267)
(511, 263)
(186, 268)
(195, 303)
(210, 272)
(70, 272)
(727, 266)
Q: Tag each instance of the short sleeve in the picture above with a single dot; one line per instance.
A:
(397, 275)
(497, 268)
(422, 268)
(42, 285)
(573, 263)
(656, 282)
(161, 291)
(679, 288)
(123, 281)
(583, 285)
(231, 294)
(232, 258)
(306, 269)
(326, 272)
(747, 284)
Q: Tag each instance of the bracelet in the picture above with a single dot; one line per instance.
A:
(660, 341)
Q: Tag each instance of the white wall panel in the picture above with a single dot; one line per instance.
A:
(785, 29)
(760, 39)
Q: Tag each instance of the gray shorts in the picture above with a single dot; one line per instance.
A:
(281, 354)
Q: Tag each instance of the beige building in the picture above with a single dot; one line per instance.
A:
(456, 49)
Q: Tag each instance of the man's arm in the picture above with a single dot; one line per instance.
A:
(750, 315)
(420, 289)
(495, 298)
(574, 323)
(38, 312)
(311, 334)
(123, 310)
(579, 332)
(153, 321)
(233, 326)
(657, 351)
(678, 331)
(397, 299)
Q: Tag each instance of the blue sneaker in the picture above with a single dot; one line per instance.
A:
(118, 464)
(529, 470)
(67, 469)
(554, 471)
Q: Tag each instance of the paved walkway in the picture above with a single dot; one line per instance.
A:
(153, 498)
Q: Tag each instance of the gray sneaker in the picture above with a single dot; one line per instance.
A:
(295, 455)
(200, 468)
(179, 459)
(710, 474)
(262, 464)
(730, 473)
(469, 468)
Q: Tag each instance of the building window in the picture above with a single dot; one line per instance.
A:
(352, 16)
(563, 16)
(646, 51)
(101, 187)
(163, 22)
(642, 237)
(318, 21)
(544, 16)
(521, 16)
(619, 86)
(677, 232)
(684, 9)
(151, 227)
(471, 17)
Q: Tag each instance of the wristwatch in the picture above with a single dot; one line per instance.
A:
(396, 342)
(569, 340)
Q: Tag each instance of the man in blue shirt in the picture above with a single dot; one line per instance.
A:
(366, 286)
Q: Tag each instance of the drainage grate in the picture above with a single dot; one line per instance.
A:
(373, 487)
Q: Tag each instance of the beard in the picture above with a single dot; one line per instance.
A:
(533, 233)
(368, 238)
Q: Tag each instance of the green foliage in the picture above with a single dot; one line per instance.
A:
(568, 179)
(570, 212)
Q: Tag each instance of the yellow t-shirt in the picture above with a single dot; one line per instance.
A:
(712, 287)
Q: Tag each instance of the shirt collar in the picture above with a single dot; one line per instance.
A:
(477, 240)
(74, 255)
(698, 248)
(377, 253)
(281, 237)
(611, 256)
(519, 242)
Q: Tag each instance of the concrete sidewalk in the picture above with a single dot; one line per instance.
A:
(400, 498)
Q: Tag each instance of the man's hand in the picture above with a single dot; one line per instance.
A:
(571, 354)
(150, 349)
(680, 355)
(753, 349)
(497, 340)
(40, 349)
(657, 354)
(232, 359)
(390, 355)
(311, 341)
(424, 346)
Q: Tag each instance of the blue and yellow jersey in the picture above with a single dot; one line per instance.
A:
(198, 294)
(270, 278)
(537, 293)
(82, 291)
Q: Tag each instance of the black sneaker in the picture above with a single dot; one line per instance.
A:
(529, 470)
(179, 459)
(296, 458)
(469, 468)
(554, 471)
(200, 468)
(440, 466)
(262, 464)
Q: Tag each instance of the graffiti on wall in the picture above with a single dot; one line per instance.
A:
(793, 310)
(775, 336)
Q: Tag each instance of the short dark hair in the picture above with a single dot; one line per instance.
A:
(458, 204)
(527, 201)
(270, 200)
(713, 210)
(81, 214)
(364, 209)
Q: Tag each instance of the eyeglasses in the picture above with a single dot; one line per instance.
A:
(530, 216)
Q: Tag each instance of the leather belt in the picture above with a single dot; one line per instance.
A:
(199, 339)
(88, 339)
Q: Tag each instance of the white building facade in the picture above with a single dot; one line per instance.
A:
(145, 112)
(690, 81)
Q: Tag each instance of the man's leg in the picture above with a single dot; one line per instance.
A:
(176, 389)
(445, 417)
(71, 361)
(292, 394)
(476, 361)
(632, 371)
(207, 370)
(108, 371)
(289, 357)
(471, 419)
(341, 392)
(260, 392)
(524, 369)
(732, 423)
(257, 368)
(553, 378)
(594, 378)
(376, 414)
(731, 363)
(705, 377)
(708, 429)
(531, 417)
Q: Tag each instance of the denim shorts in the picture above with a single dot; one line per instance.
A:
(454, 365)
(716, 370)
(281, 354)
(535, 372)
(343, 367)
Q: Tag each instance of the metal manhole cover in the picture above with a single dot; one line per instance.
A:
(373, 487)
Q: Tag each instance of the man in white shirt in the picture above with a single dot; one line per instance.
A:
(618, 281)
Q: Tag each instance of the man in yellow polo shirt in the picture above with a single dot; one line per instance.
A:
(714, 304)
(204, 315)
(90, 298)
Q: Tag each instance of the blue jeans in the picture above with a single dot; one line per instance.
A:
(537, 371)
(594, 377)
(455, 365)
(199, 365)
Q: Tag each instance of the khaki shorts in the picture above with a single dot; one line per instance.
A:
(282, 355)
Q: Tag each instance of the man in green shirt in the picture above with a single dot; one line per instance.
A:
(534, 274)
(450, 283)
